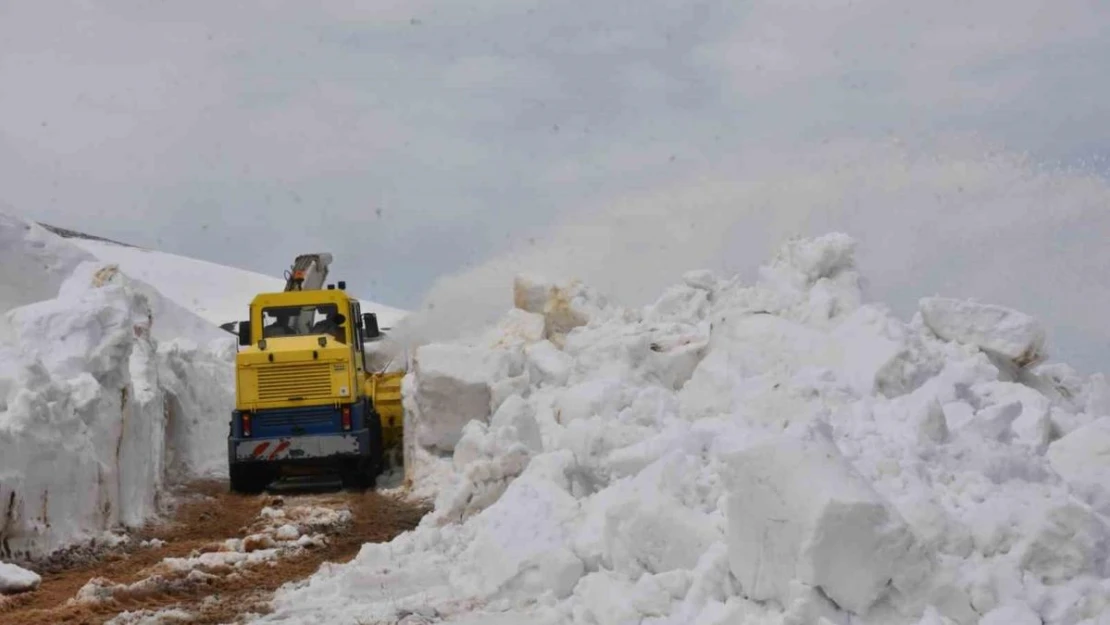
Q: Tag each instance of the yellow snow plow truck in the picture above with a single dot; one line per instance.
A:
(305, 400)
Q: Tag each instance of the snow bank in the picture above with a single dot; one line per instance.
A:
(782, 452)
(82, 432)
(95, 413)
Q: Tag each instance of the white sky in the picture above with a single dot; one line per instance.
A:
(415, 140)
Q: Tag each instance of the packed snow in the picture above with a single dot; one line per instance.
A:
(779, 452)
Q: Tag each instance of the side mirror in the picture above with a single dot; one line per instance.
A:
(370, 326)
(245, 332)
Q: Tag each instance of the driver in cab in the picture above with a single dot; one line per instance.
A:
(332, 324)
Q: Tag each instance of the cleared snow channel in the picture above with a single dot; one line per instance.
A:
(781, 452)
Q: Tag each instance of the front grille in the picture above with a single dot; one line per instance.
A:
(302, 382)
(303, 419)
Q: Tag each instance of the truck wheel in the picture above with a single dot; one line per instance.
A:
(363, 473)
(249, 479)
(376, 461)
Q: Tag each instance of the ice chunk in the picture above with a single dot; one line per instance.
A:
(564, 306)
(547, 365)
(452, 387)
(530, 293)
(931, 423)
(1083, 459)
(1067, 540)
(1011, 614)
(520, 545)
(815, 279)
(995, 329)
(14, 579)
(517, 327)
(656, 535)
(684, 304)
(700, 279)
(798, 511)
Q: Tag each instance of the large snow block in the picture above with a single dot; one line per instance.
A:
(995, 329)
(798, 511)
(1082, 458)
(564, 306)
(1064, 541)
(453, 387)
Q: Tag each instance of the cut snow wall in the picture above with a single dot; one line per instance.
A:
(81, 438)
(93, 412)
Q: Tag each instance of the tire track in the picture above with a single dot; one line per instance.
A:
(139, 579)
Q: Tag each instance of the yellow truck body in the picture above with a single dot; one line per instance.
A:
(303, 395)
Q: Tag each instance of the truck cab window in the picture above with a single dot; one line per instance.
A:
(303, 321)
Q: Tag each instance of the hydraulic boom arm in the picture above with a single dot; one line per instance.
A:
(309, 272)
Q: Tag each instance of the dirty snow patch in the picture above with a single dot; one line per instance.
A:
(14, 579)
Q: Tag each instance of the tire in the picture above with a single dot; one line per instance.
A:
(249, 479)
(362, 473)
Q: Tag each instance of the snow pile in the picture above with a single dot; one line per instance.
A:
(14, 579)
(91, 403)
(775, 453)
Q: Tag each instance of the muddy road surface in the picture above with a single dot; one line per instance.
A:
(218, 560)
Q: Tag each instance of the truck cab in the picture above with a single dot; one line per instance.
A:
(303, 397)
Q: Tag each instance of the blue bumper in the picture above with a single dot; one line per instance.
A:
(310, 433)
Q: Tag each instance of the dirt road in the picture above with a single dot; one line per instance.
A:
(221, 557)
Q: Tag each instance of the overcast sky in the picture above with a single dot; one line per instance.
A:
(437, 148)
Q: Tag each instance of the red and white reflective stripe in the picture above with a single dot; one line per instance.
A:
(280, 448)
(260, 449)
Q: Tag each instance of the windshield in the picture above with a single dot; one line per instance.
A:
(301, 321)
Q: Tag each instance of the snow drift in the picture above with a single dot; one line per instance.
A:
(780, 452)
(107, 390)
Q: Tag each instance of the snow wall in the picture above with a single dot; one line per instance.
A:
(780, 452)
(107, 391)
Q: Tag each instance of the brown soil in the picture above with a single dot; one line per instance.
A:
(210, 517)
